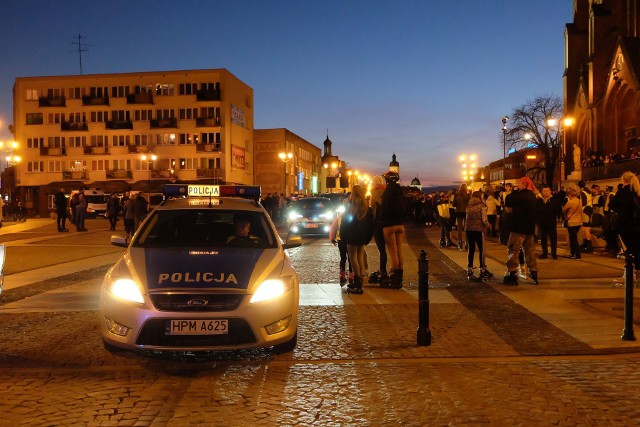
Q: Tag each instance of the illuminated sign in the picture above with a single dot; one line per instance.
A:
(300, 180)
(314, 184)
(203, 191)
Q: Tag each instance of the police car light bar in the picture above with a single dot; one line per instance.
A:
(199, 190)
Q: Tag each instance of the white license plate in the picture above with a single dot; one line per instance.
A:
(198, 327)
(311, 226)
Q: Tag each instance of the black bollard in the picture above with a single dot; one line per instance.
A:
(424, 333)
(627, 334)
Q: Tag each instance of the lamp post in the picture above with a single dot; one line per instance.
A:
(11, 161)
(285, 157)
(149, 159)
(468, 168)
(562, 149)
(504, 149)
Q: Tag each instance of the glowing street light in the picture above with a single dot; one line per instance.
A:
(286, 157)
(468, 167)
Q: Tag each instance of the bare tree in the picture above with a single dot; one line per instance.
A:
(528, 127)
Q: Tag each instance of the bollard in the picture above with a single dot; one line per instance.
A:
(424, 333)
(627, 334)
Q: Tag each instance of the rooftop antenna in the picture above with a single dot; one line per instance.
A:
(81, 48)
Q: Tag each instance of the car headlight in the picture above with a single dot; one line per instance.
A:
(340, 209)
(294, 215)
(271, 289)
(126, 290)
(327, 215)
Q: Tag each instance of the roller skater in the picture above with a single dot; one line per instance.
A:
(356, 229)
(393, 210)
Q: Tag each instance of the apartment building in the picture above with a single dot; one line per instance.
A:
(130, 131)
(280, 173)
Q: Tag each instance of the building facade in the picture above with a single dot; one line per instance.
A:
(601, 84)
(130, 131)
(298, 174)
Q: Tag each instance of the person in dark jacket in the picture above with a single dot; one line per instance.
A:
(60, 200)
(522, 204)
(378, 184)
(548, 208)
(356, 229)
(392, 213)
(461, 201)
(140, 209)
(113, 209)
(626, 203)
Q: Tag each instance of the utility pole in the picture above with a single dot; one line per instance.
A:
(81, 48)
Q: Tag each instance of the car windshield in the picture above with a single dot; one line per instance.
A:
(312, 204)
(206, 229)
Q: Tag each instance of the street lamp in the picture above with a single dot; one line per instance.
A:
(562, 127)
(504, 149)
(468, 168)
(149, 159)
(285, 157)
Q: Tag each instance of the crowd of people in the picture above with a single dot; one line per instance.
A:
(132, 207)
(597, 158)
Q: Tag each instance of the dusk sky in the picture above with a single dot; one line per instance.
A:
(427, 79)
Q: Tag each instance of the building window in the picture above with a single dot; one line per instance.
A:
(165, 89)
(121, 165)
(188, 113)
(119, 91)
(187, 88)
(35, 142)
(188, 138)
(120, 115)
(120, 140)
(56, 142)
(98, 92)
(211, 138)
(77, 165)
(188, 163)
(54, 166)
(144, 89)
(165, 114)
(99, 165)
(99, 116)
(32, 95)
(166, 139)
(98, 140)
(35, 166)
(141, 139)
(77, 141)
(75, 93)
(140, 115)
(34, 118)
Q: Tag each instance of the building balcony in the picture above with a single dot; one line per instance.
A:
(96, 150)
(163, 123)
(119, 174)
(208, 122)
(140, 98)
(95, 100)
(610, 170)
(60, 101)
(75, 176)
(138, 149)
(162, 173)
(209, 148)
(210, 173)
(208, 95)
(74, 126)
(117, 124)
(53, 151)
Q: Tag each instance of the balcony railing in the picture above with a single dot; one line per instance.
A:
(95, 100)
(164, 123)
(138, 148)
(73, 126)
(208, 95)
(208, 122)
(96, 150)
(610, 170)
(118, 124)
(209, 147)
(210, 173)
(60, 101)
(119, 174)
(75, 175)
(140, 98)
(53, 151)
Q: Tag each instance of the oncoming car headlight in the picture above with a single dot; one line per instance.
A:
(340, 209)
(271, 289)
(327, 215)
(127, 290)
(294, 215)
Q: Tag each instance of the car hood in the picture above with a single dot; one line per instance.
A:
(180, 269)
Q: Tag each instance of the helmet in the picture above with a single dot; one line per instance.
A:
(391, 176)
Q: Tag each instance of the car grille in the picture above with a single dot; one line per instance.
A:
(196, 302)
(153, 334)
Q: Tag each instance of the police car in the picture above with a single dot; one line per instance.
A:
(205, 271)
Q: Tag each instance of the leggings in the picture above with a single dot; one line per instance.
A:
(342, 247)
(378, 236)
(475, 238)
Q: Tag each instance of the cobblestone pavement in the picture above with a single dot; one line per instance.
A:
(491, 362)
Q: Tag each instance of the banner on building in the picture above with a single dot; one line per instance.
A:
(237, 115)
(237, 157)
